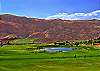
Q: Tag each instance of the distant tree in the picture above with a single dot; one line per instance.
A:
(90, 42)
(0, 18)
(75, 56)
(94, 19)
(77, 43)
(98, 38)
(84, 56)
(59, 43)
(1, 43)
(67, 43)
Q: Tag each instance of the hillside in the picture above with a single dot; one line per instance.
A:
(49, 30)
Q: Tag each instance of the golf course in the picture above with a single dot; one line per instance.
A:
(22, 55)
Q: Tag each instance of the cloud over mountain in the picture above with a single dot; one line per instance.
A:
(77, 16)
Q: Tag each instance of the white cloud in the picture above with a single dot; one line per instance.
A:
(77, 16)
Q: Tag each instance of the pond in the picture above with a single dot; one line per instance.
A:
(58, 49)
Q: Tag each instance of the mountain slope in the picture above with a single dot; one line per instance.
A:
(49, 30)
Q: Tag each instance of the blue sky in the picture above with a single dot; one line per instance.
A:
(48, 8)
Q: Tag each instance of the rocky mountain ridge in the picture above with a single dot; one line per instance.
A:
(49, 30)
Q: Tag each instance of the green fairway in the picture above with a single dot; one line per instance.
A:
(67, 64)
(16, 57)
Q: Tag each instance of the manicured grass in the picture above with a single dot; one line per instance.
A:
(50, 61)
(17, 58)
(67, 64)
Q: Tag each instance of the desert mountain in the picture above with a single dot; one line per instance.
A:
(49, 30)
